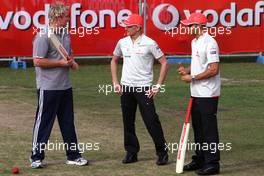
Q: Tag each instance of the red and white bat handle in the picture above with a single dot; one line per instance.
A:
(189, 109)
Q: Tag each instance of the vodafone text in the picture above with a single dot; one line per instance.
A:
(23, 19)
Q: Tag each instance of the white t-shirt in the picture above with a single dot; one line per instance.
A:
(204, 51)
(138, 59)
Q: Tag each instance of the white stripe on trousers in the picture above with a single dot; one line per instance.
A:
(38, 121)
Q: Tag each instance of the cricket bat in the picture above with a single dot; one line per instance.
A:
(55, 41)
(183, 140)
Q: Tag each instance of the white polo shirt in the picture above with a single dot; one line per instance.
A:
(138, 59)
(204, 51)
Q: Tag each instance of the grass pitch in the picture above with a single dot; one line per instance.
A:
(98, 120)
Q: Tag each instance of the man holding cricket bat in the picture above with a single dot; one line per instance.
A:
(204, 78)
(54, 88)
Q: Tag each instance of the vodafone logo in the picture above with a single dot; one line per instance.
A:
(165, 16)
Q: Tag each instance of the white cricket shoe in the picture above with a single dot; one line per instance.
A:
(36, 164)
(78, 162)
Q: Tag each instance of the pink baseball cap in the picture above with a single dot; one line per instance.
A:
(133, 20)
(195, 18)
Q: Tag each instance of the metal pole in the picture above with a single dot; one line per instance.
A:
(140, 10)
(145, 17)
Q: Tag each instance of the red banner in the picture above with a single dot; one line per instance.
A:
(95, 24)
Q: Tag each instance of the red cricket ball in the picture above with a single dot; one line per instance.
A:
(15, 170)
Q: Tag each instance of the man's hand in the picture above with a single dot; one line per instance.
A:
(118, 88)
(153, 91)
(75, 66)
(182, 70)
(186, 78)
(67, 63)
(71, 62)
(69, 58)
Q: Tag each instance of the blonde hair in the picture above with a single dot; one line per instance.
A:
(57, 10)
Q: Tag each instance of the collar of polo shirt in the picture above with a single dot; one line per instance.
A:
(138, 40)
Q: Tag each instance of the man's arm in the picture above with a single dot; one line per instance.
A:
(159, 55)
(75, 65)
(114, 70)
(163, 70)
(211, 71)
(47, 63)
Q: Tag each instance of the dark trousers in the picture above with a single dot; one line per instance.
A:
(129, 101)
(52, 103)
(204, 123)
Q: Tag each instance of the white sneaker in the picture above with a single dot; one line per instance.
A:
(78, 162)
(36, 164)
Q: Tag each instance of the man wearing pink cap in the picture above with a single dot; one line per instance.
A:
(139, 52)
(204, 78)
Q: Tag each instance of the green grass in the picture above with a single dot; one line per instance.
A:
(98, 119)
